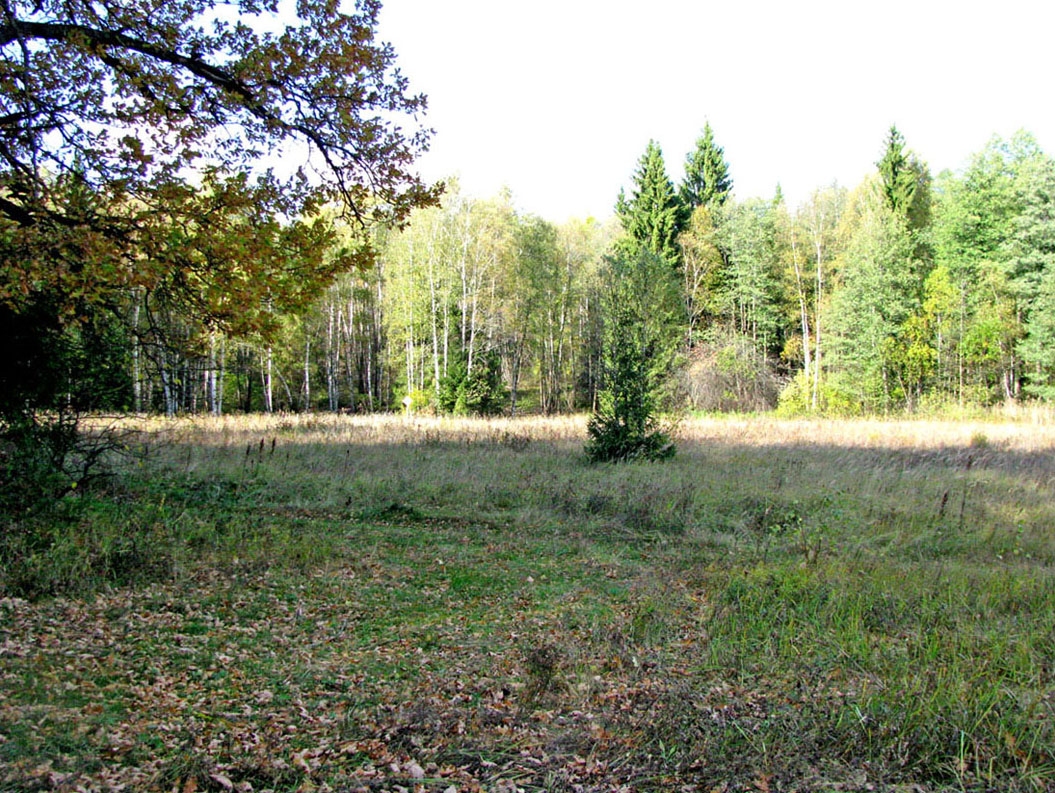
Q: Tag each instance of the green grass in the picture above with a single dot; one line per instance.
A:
(353, 611)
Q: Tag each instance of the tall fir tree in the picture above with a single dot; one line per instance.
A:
(707, 179)
(651, 215)
(899, 177)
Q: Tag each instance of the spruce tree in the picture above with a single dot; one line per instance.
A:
(651, 215)
(641, 307)
(898, 175)
(707, 178)
(479, 393)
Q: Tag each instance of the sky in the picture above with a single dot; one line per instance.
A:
(557, 99)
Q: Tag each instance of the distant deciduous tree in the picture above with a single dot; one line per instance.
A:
(750, 291)
(879, 291)
(1038, 348)
(702, 265)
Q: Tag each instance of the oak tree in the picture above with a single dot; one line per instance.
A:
(132, 92)
(184, 150)
(150, 103)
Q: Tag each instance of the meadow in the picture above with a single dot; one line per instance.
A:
(388, 603)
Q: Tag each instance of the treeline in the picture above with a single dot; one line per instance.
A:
(905, 291)
(470, 308)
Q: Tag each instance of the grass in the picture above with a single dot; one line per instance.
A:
(380, 603)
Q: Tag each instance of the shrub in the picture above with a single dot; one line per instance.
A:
(834, 398)
(477, 393)
(34, 461)
(727, 374)
(420, 400)
(52, 368)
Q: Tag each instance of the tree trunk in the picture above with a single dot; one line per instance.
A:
(433, 319)
(817, 324)
(210, 377)
(223, 374)
(332, 354)
(167, 389)
(804, 317)
(137, 385)
(269, 404)
(307, 374)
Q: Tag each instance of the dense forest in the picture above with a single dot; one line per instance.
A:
(903, 292)
(207, 217)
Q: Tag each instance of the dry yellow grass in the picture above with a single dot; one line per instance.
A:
(872, 433)
(1026, 431)
(376, 428)
(876, 480)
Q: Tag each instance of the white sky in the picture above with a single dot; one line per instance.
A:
(557, 100)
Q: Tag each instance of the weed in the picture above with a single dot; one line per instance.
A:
(649, 621)
(542, 668)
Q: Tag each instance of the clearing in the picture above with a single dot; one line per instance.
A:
(378, 603)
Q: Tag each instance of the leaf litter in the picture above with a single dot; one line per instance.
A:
(395, 673)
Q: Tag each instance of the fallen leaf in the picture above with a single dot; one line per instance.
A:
(300, 763)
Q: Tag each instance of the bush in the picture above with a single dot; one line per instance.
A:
(834, 398)
(45, 457)
(479, 393)
(420, 400)
(35, 462)
(726, 374)
(52, 367)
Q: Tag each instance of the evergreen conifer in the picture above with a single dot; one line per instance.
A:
(640, 337)
(899, 178)
(707, 178)
(651, 215)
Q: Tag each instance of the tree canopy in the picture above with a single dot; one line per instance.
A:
(178, 120)
(131, 92)
(650, 215)
(707, 177)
